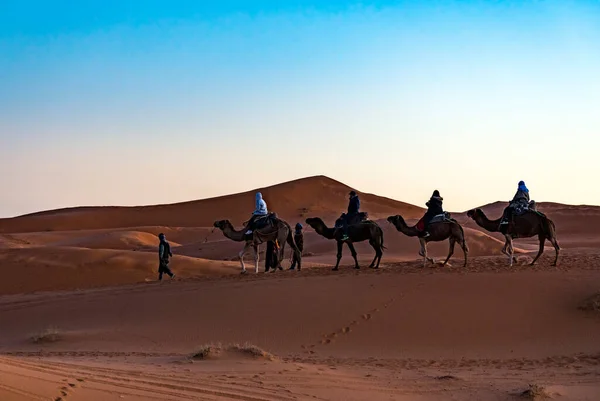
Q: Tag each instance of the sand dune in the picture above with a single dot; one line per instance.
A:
(291, 200)
(83, 318)
(60, 268)
(89, 251)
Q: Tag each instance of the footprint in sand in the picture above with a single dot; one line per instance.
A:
(366, 316)
(346, 330)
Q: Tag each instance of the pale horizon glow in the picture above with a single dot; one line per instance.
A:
(105, 103)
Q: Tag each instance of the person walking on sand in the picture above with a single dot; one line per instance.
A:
(164, 253)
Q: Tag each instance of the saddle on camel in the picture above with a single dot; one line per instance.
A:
(354, 216)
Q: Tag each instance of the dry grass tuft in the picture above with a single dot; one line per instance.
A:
(208, 351)
(48, 335)
(211, 351)
(535, 392)
(592, 304)
(251, 350)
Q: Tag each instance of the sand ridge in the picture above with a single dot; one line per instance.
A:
(82, 316)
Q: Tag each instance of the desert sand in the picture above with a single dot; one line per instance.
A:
(82, 316)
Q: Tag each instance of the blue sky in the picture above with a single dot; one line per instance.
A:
(130, 102)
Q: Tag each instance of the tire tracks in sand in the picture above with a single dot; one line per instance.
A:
(68, 377)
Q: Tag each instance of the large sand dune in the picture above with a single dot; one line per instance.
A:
(292, 200)
(83, 318)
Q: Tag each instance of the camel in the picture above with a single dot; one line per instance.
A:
(441, 231)
(530, 224)
(363, 231)
(280, 232)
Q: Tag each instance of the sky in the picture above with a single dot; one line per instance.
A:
(120, 102)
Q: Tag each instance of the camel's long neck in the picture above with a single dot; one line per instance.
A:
(325, 231)
(233, 235)
(490, 225)
(406, 230)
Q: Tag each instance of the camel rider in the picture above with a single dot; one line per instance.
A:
(434, 208)
(299, 240)
(259, 211)
(353, 210)
(520, 201)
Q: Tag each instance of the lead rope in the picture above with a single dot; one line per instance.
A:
(206, 239)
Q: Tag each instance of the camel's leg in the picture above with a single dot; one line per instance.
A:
(280, 259)
(542, 238)
(554, 243)
(450, 250)
(510, 250)
(378, 254)
(423, 253)
(372, 265)
(505, 251)
(353, 252)
(465, 249)
(340, 244)
(241, 256)
(256, 257)
(280, 256)
(505, 248)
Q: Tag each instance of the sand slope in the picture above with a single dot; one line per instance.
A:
(90, 258)
(79, 240)
(291, 200)
(378, 335)
(59, 268)
(82, 317)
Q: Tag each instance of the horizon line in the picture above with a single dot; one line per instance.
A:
(80, 207)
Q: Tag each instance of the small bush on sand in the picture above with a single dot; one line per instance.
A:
(592, 304)
(210, 351)
(251, 350)
(48, 335)
(535, 392)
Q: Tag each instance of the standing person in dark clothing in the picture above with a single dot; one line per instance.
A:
(299, 240)
(434, 208)
(164, 253)
(271, 257)
(353, 210)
